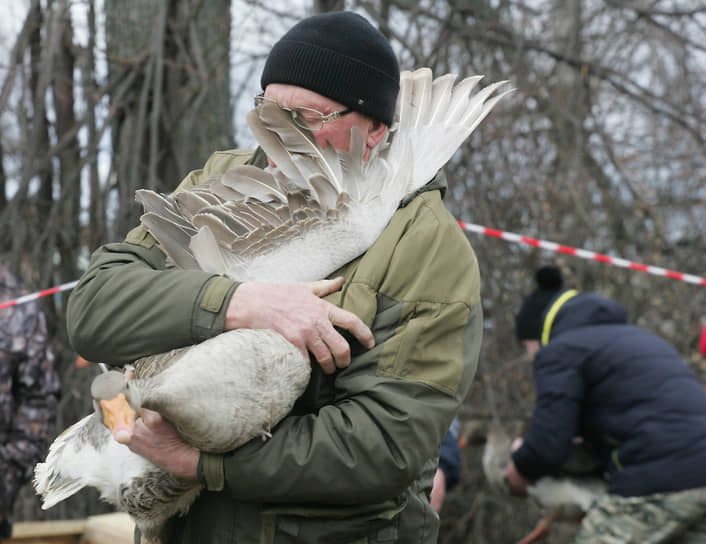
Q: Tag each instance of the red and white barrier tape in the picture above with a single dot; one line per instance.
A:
(507, 236)
(38, 294)
(582, 253)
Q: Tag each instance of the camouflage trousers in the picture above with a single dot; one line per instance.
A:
(663, 517)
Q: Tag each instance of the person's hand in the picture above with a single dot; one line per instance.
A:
(297, 312)
(517, 483)
(438, 490)
(157, 440)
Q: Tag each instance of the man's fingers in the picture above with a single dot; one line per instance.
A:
(322, 288)
(150, 417)
(351, 322)
(330, 348)
(298, 313)
(336, 344)
(322, 354)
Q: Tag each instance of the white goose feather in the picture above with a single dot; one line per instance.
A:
(318, 210)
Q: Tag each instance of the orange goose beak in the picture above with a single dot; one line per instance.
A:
(119, 417)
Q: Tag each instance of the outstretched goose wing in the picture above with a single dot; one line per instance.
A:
(433, 118)
(222, 225)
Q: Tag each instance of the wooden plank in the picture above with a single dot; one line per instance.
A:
(66, 539)
(116, 528)
(24, 529)
(47, 532)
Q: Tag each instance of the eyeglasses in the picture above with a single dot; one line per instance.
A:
(305, 117)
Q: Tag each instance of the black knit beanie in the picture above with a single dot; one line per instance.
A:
(341, 56)
(528, 323)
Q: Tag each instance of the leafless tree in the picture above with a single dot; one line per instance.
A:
(155, 100)
(170, 66)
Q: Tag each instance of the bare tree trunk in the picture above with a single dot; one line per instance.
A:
(177, 110)
(66, 233)
(28, 215)
(3, 178)
(96, 207)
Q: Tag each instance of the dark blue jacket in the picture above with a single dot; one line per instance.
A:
(450, 455)
(626, 391)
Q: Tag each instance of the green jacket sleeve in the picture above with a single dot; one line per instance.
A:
(128, 305)
(130, 302)
(418, 287)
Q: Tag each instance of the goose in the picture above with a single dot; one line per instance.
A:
(565, 497)
(248, 400)
(317, 210)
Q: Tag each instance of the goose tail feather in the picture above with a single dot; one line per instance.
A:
(58, 478)
(434, 118)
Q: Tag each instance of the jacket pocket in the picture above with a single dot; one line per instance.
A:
(427, 346)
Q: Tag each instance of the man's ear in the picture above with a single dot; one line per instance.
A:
(375, 134)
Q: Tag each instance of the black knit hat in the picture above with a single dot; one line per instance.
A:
(528, 323)
(341, 56)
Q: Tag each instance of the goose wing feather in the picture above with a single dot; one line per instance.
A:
(79, 457)
(434, 117)
(223, 236)
(173, 239)
(253, 182)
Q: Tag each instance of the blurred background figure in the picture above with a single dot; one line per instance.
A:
(449, 471)
(627, 393)
(29, 391)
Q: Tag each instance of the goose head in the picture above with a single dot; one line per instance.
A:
(116, 403)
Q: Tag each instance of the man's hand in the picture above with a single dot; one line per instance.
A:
(438, 490)
(297, 312)
(157, 440)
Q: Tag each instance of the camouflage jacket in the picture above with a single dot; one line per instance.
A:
(29, 389)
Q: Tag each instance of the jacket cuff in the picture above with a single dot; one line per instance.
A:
(527, 464)
(211, 471)
(209, 315)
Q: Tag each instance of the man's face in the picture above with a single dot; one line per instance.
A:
(337, 132)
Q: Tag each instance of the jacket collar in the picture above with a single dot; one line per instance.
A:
(438, 183)
(582, 310)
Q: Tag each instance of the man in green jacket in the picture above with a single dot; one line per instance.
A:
(355, 459)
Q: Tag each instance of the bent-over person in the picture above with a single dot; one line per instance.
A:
(628, 394)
